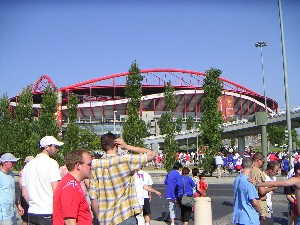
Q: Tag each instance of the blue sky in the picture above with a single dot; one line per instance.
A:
(73, 41)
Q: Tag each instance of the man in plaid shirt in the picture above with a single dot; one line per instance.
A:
(112, 190)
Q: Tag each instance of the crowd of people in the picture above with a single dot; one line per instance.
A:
(115, 190)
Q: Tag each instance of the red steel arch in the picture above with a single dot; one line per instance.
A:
(149, 71)
(42, 83)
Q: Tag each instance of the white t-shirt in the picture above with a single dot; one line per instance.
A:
(269, 194)
(139, 187)
(38, 174)
(146, 180)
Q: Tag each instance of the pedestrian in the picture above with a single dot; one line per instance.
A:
(289, 191)
(246, 206)
(147, 180)
(7, 190)
(170, 182)
(286, 183)
(141, 188)
(70, 203)
(201, 186)
(39, 181)
(112, 191)
(257, 175)
(184, 186)
(270, 174)
(23, 202)
(195, 178)
(219, 164)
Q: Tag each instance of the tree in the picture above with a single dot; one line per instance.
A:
(71, 136)
(47, 120)
(168, 127)
(189, 122)
(178, 124)
(24, 126)
(276, 134)
(6, 125)
(88, 139)
(134, 128)
(212, 118)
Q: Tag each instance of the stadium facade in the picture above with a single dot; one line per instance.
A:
(102, 101)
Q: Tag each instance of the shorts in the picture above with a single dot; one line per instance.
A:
(39, 219)
(146, 207)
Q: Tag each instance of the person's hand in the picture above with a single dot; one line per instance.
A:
(158, 193)
(121, 143)
(21, 210)
(253, 181)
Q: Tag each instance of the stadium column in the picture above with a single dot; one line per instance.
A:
(241, 145)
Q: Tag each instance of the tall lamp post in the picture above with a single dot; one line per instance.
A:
(287, 102)
(263, 115)
(261, 44)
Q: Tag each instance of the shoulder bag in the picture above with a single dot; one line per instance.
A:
(187, 201)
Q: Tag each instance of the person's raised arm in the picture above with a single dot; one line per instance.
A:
(282, 183)
(122, 144)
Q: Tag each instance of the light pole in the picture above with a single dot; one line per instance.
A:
(287, 102)
(115, 122)
(262, 44)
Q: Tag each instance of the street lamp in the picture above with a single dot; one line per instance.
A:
(115, 122)
(261, 44)
(287, 102)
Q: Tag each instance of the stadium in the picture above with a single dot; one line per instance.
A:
(102, 101)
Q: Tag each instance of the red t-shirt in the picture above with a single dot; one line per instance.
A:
(202, 186)
(70, 202)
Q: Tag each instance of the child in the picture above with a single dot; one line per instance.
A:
(230, 167)
(201, 186)
(195, 178)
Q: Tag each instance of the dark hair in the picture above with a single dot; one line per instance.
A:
(201, 175)
(195, 171)
(258, 155)
(272, 165)
(74, 157)
(108, 141)
(177, 166)
(185, 171)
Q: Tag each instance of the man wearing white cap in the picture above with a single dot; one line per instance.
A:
(7, 189)
(40, 178)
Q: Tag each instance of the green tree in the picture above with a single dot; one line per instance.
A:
(23, 126)
(6, 126)
(71, 136)
(233, 142)
(276, 134)
(212, 118)
(189, 122)
(178, 124)
(168, 127)
(47, 120)
(89, 140)
(134, 128)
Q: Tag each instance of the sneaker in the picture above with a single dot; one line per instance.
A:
(166, 220)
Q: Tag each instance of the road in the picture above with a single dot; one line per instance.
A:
(222, 204)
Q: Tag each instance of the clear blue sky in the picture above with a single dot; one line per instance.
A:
(72, 41)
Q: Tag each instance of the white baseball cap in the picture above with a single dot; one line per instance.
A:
(50, 140)
(8, 157)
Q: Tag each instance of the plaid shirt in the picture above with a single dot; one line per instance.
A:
(112, 185)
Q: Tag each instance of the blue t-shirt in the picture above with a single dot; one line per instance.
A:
(7, 196)
(188, 188)
(244, 193)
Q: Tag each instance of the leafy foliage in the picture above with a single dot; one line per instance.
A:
(276, 134)
(47, 120)
(178, 125)
(167, 126)
(189, 122)
(134, 128)
(212, 118)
